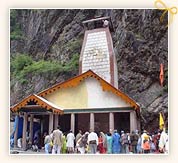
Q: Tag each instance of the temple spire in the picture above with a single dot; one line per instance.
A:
(97, 51)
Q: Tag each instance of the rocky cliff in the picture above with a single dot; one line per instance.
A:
(46, 43)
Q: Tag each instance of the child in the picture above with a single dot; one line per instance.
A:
(146, 145)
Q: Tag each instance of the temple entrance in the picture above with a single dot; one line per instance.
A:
(45, 123)
(82, 122)
(101, 122)
(64, 121)
(122, 121)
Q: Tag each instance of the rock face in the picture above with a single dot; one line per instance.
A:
(140, 44)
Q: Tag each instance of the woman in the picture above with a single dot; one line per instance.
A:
(82, 143)
(64, 147)
(47, 143)
(101, 143)
(109, 143)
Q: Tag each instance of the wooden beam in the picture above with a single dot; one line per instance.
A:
(72, 122)
(24, 138)
(56, 121)
(133, 121)
(50, 122)
(16, 131)
(96, 19)
(111, 122)
(31, 128)
(92, 121)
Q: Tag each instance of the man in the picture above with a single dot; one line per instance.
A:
(124, 142)
(134, 139)
(57, 141)
(92, 141)
(70, 142)
(163, 142)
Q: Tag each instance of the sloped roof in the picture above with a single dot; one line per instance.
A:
(73, 82)
(39, 101)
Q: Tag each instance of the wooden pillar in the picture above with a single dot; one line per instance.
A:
(16, 130)
(92, 121)
(31, 128)
(42, 125)
(111, 122)
(50, 122)
(72, 122)
(138, 124)
(56, 121)
(24, 140)
(133, 121)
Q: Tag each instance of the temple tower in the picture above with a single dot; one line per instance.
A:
(97, 52)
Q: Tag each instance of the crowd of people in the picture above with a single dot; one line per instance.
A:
(91, 142)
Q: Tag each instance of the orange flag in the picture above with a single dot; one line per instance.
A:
(161, 75)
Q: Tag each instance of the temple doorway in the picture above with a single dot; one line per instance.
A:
(101, 122)
(82, 122)
(122, 121)
(64, 121)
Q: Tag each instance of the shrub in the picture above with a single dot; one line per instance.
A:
(15, 30)
(22, 66)
(20, 61)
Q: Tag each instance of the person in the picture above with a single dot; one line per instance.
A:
(116, 146)
(19, 143)
(101, 143)
(109, 143)
(124, 142)
(11, 142)
(134, 139)
(104, 141)
(139, 142)
(155, 139)
(64, 142)
(47, 143)
(152, 146)
(146, 145)
(70, 142)
(57, 141)
(36, 141)
(82, 143)
(78, 136)
(144, 134)
(92, 141)
(163, 142)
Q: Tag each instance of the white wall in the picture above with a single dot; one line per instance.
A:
(97, 98)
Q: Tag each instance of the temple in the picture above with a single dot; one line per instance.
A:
(91, 100)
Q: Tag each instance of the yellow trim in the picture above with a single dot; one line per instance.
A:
(38, 101)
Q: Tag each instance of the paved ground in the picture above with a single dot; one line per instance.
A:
(18, 151)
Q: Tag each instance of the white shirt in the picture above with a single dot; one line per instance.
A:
(163, 141)
(70, 140)
(93, 136)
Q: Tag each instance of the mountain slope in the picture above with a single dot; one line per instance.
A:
(46, 43)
